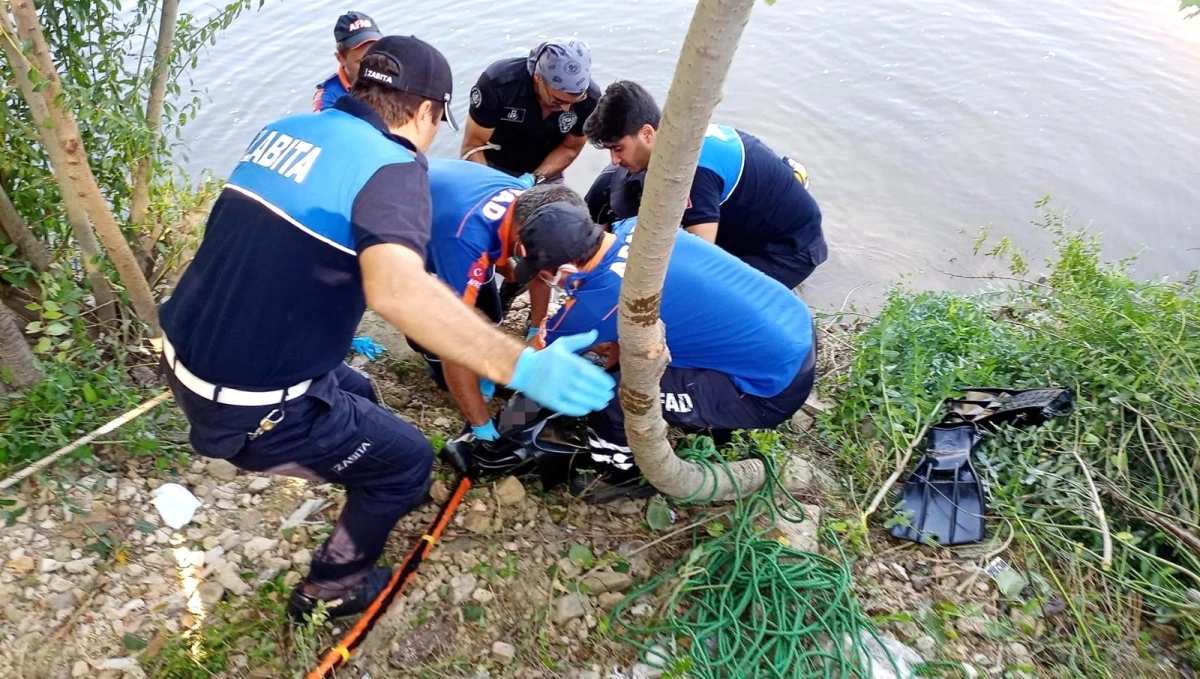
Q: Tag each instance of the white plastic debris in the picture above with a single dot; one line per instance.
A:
(175, 504)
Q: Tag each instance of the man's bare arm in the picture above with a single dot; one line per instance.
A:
(464, 387)
(539, 301)
(473, 137)
(399, 289)
(562, 157)
(707, 231)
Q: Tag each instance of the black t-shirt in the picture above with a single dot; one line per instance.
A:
(503, 99)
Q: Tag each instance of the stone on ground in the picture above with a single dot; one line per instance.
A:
(569, 608)
(605, 580)
(510, 491)
(503, 653)
(221, 470)
(803, 535)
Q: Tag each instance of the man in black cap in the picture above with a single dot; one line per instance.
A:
(354, 33)
(527, 113)
(326, 213)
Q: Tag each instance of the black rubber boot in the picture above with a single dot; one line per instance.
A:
(355, 601)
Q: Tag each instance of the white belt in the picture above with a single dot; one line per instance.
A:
(226, 395)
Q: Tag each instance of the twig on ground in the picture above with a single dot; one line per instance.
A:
(901, 465)
(79, 443)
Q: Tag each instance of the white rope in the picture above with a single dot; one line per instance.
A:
(79, 443)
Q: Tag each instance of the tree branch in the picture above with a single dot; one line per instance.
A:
(85, 237)
(18, 232)
(154, 113)
(86, 188)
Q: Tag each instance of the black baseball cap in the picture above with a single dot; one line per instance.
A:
(554, 235)
(420, 69)
(355, 28)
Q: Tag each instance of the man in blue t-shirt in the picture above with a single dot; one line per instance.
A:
(325, 213)
(354, 33)
(742, 346)
(744, 197)
(471, 237)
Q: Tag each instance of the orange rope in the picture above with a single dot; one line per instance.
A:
(340, 653)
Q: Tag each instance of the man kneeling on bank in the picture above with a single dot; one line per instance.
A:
(743, 355)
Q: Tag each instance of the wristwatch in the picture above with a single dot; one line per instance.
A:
(538, 177)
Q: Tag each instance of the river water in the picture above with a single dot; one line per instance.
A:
(919, 121)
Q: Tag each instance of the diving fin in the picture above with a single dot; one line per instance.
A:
(992, 407)
(943, 492)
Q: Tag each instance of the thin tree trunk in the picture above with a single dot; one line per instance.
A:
(83, 180)
(154, 114)
(15, 354)
(85, 237)
(18, 232)
(704, 61)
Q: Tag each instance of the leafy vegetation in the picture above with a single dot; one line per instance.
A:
(1130, 350)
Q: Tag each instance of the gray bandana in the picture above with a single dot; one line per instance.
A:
(565, 65)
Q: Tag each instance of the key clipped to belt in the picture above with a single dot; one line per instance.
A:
(267, 423)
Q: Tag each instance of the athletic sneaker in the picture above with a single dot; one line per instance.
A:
(355, 601)
(602, 488)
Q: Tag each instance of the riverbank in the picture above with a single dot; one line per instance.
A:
(91, 584)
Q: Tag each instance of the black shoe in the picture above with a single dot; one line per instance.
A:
(355, 601)
(600, 489)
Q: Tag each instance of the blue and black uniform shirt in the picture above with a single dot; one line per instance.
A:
(275, 294)
(330, 90)
(472, 215)
(720, 313)
(753, 194)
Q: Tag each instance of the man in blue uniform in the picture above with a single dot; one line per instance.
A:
(743, 354)
(470, 238)
(325, 213)
(354, 33)
(744, 197)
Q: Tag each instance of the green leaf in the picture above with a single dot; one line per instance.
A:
(716, 529)
(89, 393)
(581, 555)
(51, 305)
(474, 612)
(51, 315)
(43, 345)
(134, 642)
(1143, 397)
(145, 526)
(658, 514)
(56, 329)
(35, 326)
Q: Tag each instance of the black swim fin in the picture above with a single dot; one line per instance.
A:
(991, 407)
(943, 495)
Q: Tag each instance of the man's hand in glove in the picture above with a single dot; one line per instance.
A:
(562, 381)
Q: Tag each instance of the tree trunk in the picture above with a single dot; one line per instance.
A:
(85, 237)
(15, 354)
(704, 61)
(18, 232)
(84, 183)
(154, 114)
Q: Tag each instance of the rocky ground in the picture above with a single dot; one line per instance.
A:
(93, 584)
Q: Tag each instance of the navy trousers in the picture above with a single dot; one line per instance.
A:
(336, 433)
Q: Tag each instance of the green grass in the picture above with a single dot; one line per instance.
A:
(1130, 349)
(256, 628)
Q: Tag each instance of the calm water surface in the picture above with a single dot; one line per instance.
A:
(919, 121)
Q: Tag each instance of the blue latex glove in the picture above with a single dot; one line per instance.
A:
(533, 331)
(486, 432)
(558, 379)
(487, 388)
(528, 179)
(367, 347)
